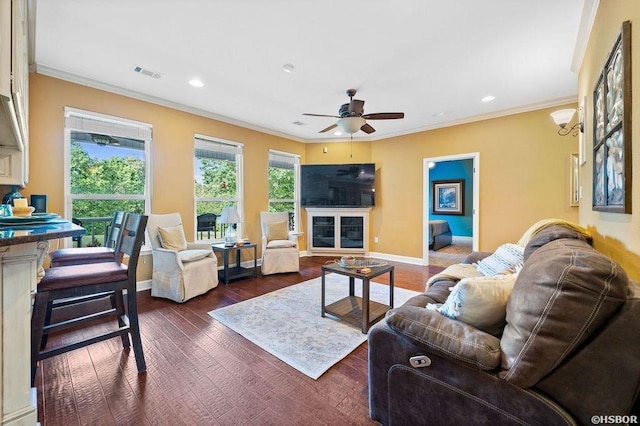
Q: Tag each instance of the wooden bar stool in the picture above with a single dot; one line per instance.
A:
(81, 256)
(87, 280)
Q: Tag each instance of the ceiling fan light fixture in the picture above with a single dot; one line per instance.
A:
(351, 125)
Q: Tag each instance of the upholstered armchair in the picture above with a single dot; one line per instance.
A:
(279, 247)
(181, 270)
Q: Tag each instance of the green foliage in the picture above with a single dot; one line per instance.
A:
(119, 175)
(115, 175)
(281, 184)
(281, 187)
(219, 179)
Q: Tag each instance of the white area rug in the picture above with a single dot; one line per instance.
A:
(287, 322)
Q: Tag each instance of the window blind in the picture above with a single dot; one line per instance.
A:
(105, 125)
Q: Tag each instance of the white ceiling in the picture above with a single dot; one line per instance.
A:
(421, 57)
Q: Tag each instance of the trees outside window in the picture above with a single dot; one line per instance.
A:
(218, 178)
(107, 171)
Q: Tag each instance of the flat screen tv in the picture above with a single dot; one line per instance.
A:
(338, 185)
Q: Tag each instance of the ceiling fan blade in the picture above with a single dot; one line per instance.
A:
(367, 128)
(356, 106)
(320, 115)
(383, 115)
(333, 126)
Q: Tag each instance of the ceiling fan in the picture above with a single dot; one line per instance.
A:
(352, 119)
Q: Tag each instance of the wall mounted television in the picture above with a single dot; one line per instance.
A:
(338, 185)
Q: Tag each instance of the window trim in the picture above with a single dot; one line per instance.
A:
(199, 139)
(81, 120)
(296, 186)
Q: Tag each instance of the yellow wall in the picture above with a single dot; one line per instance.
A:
(173, 164)
(617, 235)
(524, 172)
(523, 165)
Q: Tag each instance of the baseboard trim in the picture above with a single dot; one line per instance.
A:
(143, 285)
(396, 258)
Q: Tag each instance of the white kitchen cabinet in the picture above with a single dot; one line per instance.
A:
(14, 93)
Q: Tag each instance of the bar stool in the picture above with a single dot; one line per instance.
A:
(86, 280)
(83, 255)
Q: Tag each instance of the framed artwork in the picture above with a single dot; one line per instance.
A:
(612, 129)
(448, 196)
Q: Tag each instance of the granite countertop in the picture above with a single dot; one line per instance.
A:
(13, 235)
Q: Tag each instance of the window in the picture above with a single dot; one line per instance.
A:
(284, 178)
(218, 183)
(107, 168)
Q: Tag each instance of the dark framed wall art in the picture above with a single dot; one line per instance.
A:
(448, 196)
(612, 129)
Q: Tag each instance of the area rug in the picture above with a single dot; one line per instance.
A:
(451, 254)
(287, 322)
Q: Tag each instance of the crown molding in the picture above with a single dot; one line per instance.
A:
(584, 31)
(73, 78)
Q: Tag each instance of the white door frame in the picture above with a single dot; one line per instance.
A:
(475, 156)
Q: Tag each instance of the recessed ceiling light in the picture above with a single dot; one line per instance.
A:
(287, 68)
(196, 83)
(488, 98)
(439, 114)
(337, 133)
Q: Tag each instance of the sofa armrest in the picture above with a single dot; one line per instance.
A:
(476, 256)
(446, 392)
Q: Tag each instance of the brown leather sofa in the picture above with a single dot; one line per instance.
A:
(570, 349)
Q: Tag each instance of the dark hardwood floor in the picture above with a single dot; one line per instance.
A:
(201, 372)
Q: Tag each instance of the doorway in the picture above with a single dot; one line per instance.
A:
(469, 207)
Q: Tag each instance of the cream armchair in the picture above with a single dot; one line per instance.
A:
(279, 247)
(181, 270)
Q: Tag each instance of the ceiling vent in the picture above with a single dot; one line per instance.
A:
(298, 123)
(147, 72)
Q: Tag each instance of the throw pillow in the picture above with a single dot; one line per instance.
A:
(277, 230)
(172, 238)
(507, 258)
(480, 302)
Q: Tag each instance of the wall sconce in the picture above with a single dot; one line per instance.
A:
(563, 117)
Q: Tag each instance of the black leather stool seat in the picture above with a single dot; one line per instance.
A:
(83, 255)
(73, 256)
(63, 277)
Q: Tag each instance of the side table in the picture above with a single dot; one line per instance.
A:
(353, 309)
(237, 271)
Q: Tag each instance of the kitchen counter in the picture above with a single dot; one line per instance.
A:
(22, 252)
(12, 235)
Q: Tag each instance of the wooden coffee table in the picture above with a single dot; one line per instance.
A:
(353, 309)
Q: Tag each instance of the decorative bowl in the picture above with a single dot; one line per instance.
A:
(347, 261)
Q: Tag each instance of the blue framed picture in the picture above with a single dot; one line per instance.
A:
(448, 196)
